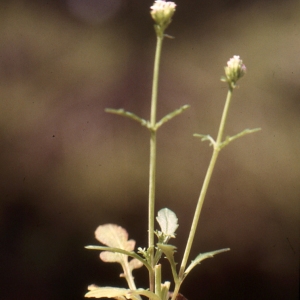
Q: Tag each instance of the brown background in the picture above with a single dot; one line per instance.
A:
(67, 167)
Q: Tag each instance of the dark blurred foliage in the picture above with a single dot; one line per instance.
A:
(67, 167)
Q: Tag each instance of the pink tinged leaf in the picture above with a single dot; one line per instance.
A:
(135, 264)
(130, 245)
(111, 257)
(114, 236)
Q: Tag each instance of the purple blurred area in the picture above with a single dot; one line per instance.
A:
(67, 166)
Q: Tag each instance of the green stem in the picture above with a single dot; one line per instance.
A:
(152, 168)
(155, 80)
(203, 192)
(158, 280)
(176, 290)
(224, 117)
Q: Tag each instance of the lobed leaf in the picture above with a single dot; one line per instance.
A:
(114, 236)
(167, 221)
(118, 293)
(111, 257)
(135, 264)
(106, 292)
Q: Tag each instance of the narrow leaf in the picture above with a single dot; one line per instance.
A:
(232, 138)
(127, 114)
(167, 221)
(203, 256)
(205, 137)
(171, 115)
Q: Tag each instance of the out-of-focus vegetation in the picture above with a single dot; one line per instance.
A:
(67, 167)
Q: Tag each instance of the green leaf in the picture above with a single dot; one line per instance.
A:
(171, 115)
(167, 221)
(203, 256)
(205, 137)
(169, 251)
(146, 293)
(127, 114)
(229, 139)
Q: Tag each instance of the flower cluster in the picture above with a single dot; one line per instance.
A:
(162, 13)
(234, 70)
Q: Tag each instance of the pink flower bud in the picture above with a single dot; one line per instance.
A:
(234, 70)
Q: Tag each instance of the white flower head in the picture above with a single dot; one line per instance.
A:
(234, 70)
(162, 13)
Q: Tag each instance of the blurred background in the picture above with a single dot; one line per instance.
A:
(67, 166)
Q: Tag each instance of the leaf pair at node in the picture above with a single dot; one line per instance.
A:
(144, 122)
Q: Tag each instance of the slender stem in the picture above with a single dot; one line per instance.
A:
(152, 168)
(203, 191)
(224, 117)
(158, 280)
(155, 80)
(176, 290)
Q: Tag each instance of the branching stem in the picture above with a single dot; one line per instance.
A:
(203, 192)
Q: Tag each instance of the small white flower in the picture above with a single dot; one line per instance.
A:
(234, 70)
(162, 13)
(163, 6)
